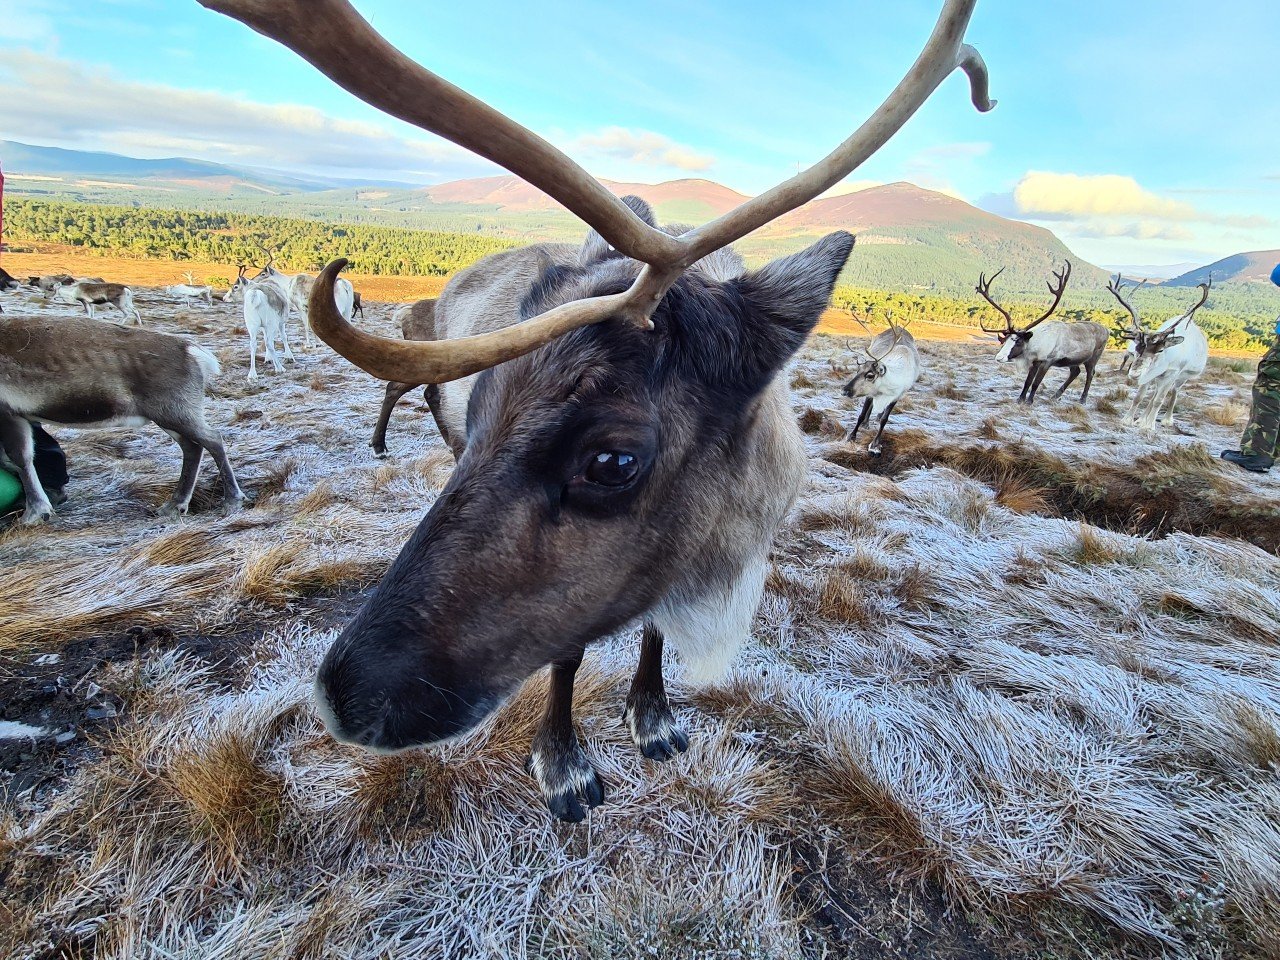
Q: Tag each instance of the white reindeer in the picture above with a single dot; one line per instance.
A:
(296, 289)
(190, 291)
(891, 369)
(265, 313)
(1165, 360)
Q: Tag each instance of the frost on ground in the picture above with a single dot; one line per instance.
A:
(975, 704)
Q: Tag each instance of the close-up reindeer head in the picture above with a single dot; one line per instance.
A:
(1013, 341)
(622, 442)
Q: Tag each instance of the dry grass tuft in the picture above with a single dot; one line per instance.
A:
(185, 546)
(821, 422)
(844, 599)
(229, 793)
(1229, 413)
(404, 796)
(1015, 493)
(281, 572)
(950, 391)
(989, 429)
(1091, 548)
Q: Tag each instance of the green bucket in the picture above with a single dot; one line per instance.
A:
(10, 491)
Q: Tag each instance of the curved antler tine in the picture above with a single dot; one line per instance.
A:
(1058, 288)
(438, 361)
(944, 53)
(1116, 287)
(984, 290)
(334, 38)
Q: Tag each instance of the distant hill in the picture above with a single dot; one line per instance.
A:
(693, 200)
(1252, 267)
(1150, 271)
(909, 239)
(101, 169)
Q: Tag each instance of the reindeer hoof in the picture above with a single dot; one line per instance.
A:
(37, 516)
(875, 450)
(174, 509)
(567, 781)
(653, 728)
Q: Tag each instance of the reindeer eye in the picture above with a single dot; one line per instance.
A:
(612, 468)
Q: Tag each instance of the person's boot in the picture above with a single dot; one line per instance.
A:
(1253, 462)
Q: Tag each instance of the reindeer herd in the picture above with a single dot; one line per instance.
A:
(1161, 361)
(626, 446)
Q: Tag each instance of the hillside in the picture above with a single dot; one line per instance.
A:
(1254, 267)
(30, 167)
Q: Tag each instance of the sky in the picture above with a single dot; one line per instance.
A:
(1142, 132)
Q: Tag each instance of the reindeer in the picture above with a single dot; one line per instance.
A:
(91, 293)
(49, 283)
(79, 373)
(357, 306)
(628, 449)
(1164, 360)
(7, 282)
(266, 312)
(416, 322)
(296, 289)
(190, 290)
(891, 369)
(1056, 344)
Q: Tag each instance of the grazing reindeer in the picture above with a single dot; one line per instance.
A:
(91, 293)
(265, 314)
(79, 373)
(191, 291)
(50, 282)
(1056, 344)
(891, 369)
(1164, 360)
(417, 322)
(628, 449)
(357, 306)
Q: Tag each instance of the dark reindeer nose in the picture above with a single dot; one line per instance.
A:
(389, 706)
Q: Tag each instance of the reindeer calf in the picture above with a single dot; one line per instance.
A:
(79, 373)
(91, 293)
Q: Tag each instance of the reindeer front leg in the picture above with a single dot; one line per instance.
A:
(556, 760)
(648, 713)
(19, 446)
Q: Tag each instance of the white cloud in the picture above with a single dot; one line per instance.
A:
(1048, 196)
(644, 148)
(51, 100)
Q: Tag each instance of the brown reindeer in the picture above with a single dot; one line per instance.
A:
(626, 447)
(1077, 346)
(81, 373)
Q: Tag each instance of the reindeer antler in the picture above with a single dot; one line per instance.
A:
(893, 342)
(1116, 286)
(338, 41)
(1204, 296)
(984, 290)
(1058, 287)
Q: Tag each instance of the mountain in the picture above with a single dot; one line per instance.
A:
(690, 200)
(24, 161)
(1149, 271)
(909, 238)
(1252, 267)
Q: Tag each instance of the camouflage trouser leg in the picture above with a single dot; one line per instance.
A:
(1262, 435)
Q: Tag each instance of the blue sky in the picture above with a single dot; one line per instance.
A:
(1141, 132)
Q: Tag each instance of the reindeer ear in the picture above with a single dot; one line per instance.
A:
(1173, 340)
(595, 248)
(792, 292)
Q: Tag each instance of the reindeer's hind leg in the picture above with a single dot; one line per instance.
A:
(556, 760)
(874, 447)
(863, 416)
(19, 446)
(389, 400)
(1071, 378)
(1088, 379)
(648, 712)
